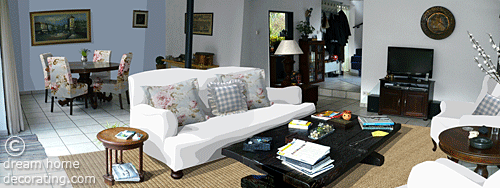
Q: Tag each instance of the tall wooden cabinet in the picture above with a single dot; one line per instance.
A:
(407, 97)
(312, 62)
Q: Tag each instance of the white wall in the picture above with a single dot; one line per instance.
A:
(397, 23)
(357, 35)
(255, 48)
(226, 40)
(111, 30)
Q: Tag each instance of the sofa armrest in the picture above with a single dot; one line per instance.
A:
(492, 181)
(434, 174)
(493, 121)
(286, 95)
(159, 122)
(454, 108)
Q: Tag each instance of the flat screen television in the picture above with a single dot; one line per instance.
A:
(411, 62)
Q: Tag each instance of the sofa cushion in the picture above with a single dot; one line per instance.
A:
(202, 142)
(255, 87)
(180, 98)
(227, 97)
(490, 105)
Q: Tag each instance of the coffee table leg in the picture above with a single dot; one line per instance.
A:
(108, 177)
(374, 159)
(121, 156)
(107, 165)
(481, 170)
(141, 172)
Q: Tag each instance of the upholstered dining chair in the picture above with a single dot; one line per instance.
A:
(46, 72)
(120, 85)
(101, 57)
(62, 84)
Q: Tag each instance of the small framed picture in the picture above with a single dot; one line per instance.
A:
(140, 19)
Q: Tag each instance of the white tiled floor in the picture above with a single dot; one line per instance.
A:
(64, 134)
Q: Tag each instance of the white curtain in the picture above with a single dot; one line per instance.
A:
(12, 99)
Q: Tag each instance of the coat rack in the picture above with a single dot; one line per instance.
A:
(332, 6)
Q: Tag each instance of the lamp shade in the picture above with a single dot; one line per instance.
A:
(288, 47)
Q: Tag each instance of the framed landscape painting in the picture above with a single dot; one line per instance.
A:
(203, 23)
(60, 26)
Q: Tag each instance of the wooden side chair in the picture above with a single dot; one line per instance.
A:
(46, 72)
(120, 85)
(62, 84)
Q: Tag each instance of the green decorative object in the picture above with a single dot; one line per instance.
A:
(305, 29)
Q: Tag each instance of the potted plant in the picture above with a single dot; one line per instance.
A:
(159, 63)
(84, 54)
(305, 29)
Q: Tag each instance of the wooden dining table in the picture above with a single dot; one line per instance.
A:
(84, 70)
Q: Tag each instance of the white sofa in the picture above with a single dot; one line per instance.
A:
(445, 173)
(456, 113)
(199, 143)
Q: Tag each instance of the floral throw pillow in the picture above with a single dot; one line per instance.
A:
(180, 98)
(255, 87)
(227, 98)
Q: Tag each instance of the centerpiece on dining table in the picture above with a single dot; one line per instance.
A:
(84, 54)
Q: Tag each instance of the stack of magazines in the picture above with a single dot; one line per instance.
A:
(125, 172)
(376, 123)
(326, 115)
(308, 158)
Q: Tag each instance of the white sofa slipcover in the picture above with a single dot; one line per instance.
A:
(199, 143)
(456, 113)
(445, 173)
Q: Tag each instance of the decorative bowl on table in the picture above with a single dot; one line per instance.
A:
(481, 142)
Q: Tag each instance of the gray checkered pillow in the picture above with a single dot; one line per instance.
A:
(227, 97)
(490, 105)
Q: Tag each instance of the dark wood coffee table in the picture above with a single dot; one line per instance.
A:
(108, 139)
(455, 143)
(343, 151)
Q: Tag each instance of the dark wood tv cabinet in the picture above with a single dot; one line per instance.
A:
(405, 97)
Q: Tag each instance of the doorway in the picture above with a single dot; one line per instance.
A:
(280, 28)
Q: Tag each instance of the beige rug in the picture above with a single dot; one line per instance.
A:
(410, 146)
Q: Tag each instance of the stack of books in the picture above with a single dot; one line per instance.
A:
(326, 115)
(376, 123)
(308, 158)
(125, 172)
(299, 124)
(126, 134)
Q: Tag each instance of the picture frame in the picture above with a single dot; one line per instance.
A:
(203, 23)
(140, 19)
(60, 27)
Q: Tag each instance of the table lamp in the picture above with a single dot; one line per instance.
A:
(288, 47)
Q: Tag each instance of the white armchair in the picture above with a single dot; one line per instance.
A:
(456, 113)
(445, 173)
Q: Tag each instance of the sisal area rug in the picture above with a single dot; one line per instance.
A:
(33, 149)
(410, 146)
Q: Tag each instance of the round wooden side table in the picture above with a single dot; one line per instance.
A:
(110, 142)
(455, 143)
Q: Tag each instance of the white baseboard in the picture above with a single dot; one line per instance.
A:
(32, 92)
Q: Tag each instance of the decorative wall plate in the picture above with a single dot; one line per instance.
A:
(437, 22)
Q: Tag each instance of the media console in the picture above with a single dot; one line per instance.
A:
(407, 97)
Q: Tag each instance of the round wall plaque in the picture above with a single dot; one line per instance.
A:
(437, 22)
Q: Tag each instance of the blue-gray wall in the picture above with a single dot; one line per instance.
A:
(111, 30)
